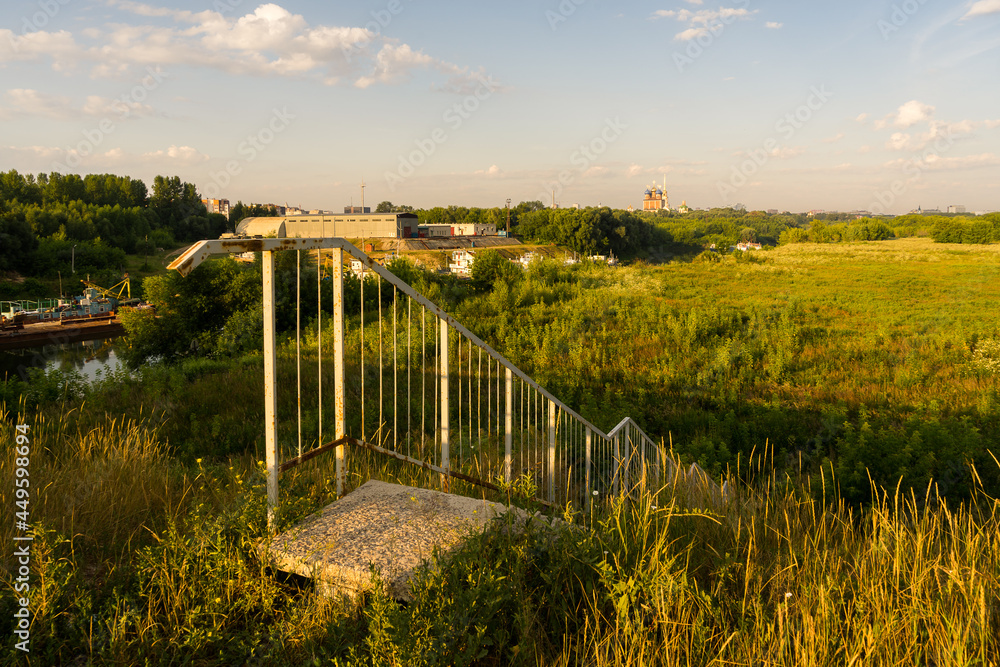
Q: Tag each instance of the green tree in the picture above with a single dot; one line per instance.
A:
(491, 268)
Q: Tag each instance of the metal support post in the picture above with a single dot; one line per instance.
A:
(617, 463)
(586, 485)
(338, 365)
(445, 455)
(552, 451)
(270, 389)
(508, 428)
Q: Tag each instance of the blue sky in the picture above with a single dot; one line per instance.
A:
(870, 105)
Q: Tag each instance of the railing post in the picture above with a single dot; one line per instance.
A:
(270, 389)
(508, 429)
(445, 455)
(617, 462)
(338, 365)
(629, 450)
(586, 484)
(552, 451)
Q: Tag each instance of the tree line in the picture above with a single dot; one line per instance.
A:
(53, 222)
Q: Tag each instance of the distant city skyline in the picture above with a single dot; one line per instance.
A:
(879, 106)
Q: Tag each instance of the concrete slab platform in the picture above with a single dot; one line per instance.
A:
(393, 527)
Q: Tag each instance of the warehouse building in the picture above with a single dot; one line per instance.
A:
(348, 225)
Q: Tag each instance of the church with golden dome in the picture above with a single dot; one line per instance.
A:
(655, 199)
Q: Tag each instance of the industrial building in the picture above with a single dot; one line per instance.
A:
(352, 226)
(356, 226)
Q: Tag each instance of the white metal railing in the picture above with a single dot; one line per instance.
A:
(476, 416)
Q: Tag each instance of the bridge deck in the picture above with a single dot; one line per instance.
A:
(390, 526)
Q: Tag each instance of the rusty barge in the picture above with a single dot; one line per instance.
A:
(54, 321)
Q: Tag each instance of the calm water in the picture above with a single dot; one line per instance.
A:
(93, 359)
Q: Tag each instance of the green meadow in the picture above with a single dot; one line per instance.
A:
(851, 392)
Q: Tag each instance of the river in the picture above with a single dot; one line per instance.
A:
(93, 359)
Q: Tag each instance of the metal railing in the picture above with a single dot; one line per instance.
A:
(411, 382)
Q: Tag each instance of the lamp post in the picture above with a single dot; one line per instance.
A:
(508, 217)
(73, 259)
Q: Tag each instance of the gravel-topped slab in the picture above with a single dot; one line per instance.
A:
(390, 526)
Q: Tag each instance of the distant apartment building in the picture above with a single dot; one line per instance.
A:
(217, 206)
(461, 262)
(957, 208)
(357, 209)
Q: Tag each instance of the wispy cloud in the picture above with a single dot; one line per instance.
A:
(30, 103)
(703, 21)
(773, 25)
(983, 8)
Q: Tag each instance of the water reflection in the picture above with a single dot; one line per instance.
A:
(93, 359)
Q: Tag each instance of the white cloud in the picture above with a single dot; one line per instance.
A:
(704, 20)
(861, 117)
(865, 149)
(691, 33)
(900, 141)
(26, 102)
(787, 152)
(59, 46)
(269, 41)
(834, 139)
(492, 171)
(950, 132)
(30, 103)
(113, 158)
(982, 8)
(773, 25)
(913, 112)
(175, 154)
(634, 170)
(990, 124)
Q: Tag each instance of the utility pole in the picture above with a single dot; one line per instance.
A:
(362, 195)
(508, 217)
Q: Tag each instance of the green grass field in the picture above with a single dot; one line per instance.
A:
(853, 389)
